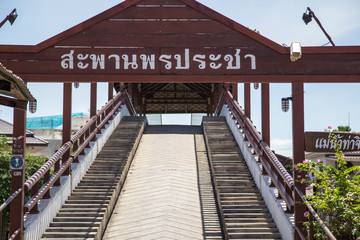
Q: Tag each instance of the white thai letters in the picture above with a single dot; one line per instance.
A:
(182, 61)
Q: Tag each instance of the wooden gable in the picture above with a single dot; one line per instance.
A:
(172, 41)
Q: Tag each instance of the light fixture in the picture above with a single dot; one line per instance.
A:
(11, 18)
(32, 106)
(307, 17)
(256, 85)
(76, 85)
(295, 51)
(285, 104)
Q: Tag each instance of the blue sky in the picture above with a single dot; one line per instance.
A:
(278, 20)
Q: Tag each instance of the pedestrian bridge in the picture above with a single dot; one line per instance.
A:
(140, 181)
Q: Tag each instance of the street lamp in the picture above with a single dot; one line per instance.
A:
(285, 104)
(307, 17)
(76, 85)
(11, 17)
(256, 85)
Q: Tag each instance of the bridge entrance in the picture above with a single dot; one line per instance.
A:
(174, 56)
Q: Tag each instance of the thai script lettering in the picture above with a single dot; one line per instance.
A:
(345, 143)
(183, 60)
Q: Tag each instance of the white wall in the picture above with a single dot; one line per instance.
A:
(36, 224)
(276, 207)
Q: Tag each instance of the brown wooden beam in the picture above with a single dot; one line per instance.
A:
(235, 91)
(93, 96)
(15, 103)
(66, 131)
(298, 149)
(247, 99)
(18, 175)
(110, 91)
(265, 112)
(85, 78)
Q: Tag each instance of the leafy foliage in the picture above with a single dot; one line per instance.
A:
(33, 163)
(335, 196)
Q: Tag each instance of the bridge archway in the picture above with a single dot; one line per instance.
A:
(174, 56)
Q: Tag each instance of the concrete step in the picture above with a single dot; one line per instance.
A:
(75, 225)
(77, 219)
(258, 235)
(73, 209)
(80, 214)
(242, 208)
(90, 206)
(66, 235)
(72, 229)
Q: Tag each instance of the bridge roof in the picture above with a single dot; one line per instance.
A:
(173, 41)
(13, 91)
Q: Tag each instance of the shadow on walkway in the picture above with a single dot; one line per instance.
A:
(172, 129)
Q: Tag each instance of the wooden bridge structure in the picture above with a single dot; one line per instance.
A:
(169, 56)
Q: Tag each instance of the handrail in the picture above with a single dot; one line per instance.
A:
(282, 180)
(271, 165)
(315, 215)
(83, 137)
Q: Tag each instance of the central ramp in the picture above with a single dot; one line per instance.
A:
(160, 198)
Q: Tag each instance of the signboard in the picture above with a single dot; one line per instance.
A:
(153, 60)
(321, 142)
(16, 162)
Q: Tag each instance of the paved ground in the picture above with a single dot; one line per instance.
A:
(160, 198)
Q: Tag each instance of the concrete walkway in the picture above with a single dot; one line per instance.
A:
(160, 198)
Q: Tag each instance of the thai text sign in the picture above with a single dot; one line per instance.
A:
(322, 142)
(168, 60)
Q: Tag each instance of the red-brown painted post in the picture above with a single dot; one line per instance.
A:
(110, 91)
(235, 91)
(93, 96)
(247, 99)
(18, 175)
(66, 132)
(298, 150)
(265, 112)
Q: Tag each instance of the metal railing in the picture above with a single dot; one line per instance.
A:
(78, 142)
(271, 165)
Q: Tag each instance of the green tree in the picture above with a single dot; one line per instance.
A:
(33, 163)
(343, 129)
(335, 196)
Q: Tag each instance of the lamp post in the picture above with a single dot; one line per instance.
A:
(307, 17)
(11, 18)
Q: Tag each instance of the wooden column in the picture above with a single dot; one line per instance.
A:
(66, 131)
(298, 148)
(265, 112)
(110, 91)
(18, 175)
(93, 96)
(235, 91)
(247, 100)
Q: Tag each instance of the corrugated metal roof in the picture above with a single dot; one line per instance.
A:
(16, 90)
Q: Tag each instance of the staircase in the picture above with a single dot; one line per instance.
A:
(242, 208)
(86, 212)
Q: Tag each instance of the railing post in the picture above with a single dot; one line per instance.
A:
(67, 100)
(298, 152)
(265, 112)
(18, 175)
(247, 100)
